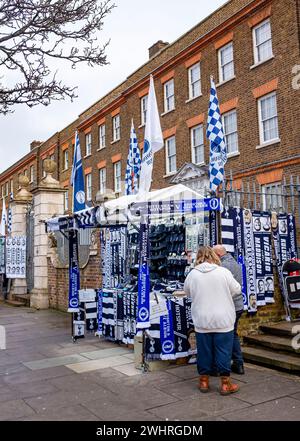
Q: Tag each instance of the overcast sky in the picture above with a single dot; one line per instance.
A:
(133, 26)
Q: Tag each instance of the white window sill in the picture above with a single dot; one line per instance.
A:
(170, 174)
(168, 111)
(64, 170)
(116, 140)
(261, 62)
(233, 155)
(225, 81)
(141, 126)
(266, 144)
(199, 164)
(101, 148)
(87, 156)
(194, 98)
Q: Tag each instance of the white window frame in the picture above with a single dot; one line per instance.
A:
(273, 190)
(226, 114)
(101, 133)
(88, 144)
(6, 188)
(31, 174)
(194, 146)
(255, 45)
(118, 178)
(66, 159)
(102, 182)
(260, 122)
(12, 187)
(116, 121)
(144, 106)
(167, 144)
(192, 95)
(88, 185)
(169, 100)
(66, 200)
(221, 66)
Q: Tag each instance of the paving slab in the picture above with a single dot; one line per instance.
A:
(94, 365)
(193, 409)
(129, 370)
(74, 383)
(54, 362)
(114, 410)
(104, 353)
(71, 413)
(33, 376)
(185, 372)
(10, 410)
(267, 390)
(282, 409)
(64, 399)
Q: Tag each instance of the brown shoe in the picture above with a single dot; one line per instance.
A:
(204, 383)
(227, 387)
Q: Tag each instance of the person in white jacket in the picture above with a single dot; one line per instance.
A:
(211, 288)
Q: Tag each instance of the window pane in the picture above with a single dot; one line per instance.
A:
(264, 51)
(227, 54)
(228, 71)
(263, 33)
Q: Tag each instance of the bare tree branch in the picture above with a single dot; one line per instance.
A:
(32, 32)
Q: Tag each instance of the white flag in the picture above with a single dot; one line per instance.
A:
(3, 218)
(153, 141)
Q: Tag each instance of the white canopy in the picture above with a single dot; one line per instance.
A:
(175, 192)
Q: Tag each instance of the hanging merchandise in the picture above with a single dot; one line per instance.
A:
(250, 260)
(143, 318)
(2, 255)
(232, 233)
(263, 257)
(213, 228)
(99, 312)
(108, 314)
(16, 257)
(74, 272)
(284, 238)
(91, 316)
(180, 327)
(113, 256)
(167, 334)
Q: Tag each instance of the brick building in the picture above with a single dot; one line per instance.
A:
(252, 49)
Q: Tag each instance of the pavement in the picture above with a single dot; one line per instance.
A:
(45, 376)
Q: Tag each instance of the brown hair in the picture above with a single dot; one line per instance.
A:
(207, 254)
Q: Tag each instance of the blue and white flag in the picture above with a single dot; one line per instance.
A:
(9, 215)
(3, 219)
(143, 316)
(153, 141)
(215, 134)
(77, 180)
(133, 166)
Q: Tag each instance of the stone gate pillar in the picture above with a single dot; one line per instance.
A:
(19, 208)
(48, 201)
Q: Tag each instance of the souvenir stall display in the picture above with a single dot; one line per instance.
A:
(148, 248)
(250, 236)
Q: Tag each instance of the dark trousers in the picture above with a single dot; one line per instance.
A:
(237, 356)
(214, 349)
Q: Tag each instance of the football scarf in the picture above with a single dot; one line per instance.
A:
(74, 273)
(167, 334)
(143, 317)
(108, 315)
(250, 260)
(99, 312)
(213, 228)
(91, 316)
(153, 348)
(180, 327)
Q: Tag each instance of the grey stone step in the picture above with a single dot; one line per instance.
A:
(23, 298)
(272, 342)
(280, 329)
(15, 303)
(273, 360)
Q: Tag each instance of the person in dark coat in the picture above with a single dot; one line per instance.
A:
(227, 261)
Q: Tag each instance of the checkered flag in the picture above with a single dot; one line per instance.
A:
(9, 215)
(133, 166)
(215, 134)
